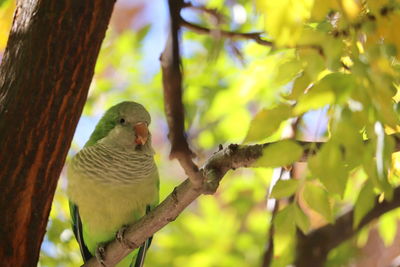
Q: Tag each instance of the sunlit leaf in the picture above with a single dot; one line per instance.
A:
(284, 188)
(352, 8)
(278, 154)
(317, 199)
(302, 220)
(7, 8)
(299, 86)
(388, 227)
(288, 70)
(266, 122)
(282, 219)
(333, 88)
(328, 166)
(365, 202)
(284, 19)
(322, 7)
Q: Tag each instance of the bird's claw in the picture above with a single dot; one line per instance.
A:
(121, 238)
(99, 254)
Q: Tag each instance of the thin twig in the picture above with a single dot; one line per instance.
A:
(174, 110)
(269, 252)
(210, 11)
(255, 36)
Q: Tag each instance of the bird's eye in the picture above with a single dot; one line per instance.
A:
(122, 121)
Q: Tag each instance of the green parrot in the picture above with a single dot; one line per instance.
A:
(113, 181)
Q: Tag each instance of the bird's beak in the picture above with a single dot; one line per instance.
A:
(142, 133)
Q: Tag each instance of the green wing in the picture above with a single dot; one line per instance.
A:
(77, 228)
(143, 249)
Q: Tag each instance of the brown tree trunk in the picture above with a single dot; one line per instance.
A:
(44, 79)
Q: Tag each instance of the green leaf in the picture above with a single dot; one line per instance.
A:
(364, 203)
(333, 88)
(328, 166)
(287, 71)
(266, 122)
(316, 98)
(300, 85)
(284, 188)
(283, 222)
(387, 227)
(285, 229)
(142, 33)
(347, 133)
(317, 199)
(301, 219)
(281, 153)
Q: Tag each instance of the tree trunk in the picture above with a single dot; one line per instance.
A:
(44, 79)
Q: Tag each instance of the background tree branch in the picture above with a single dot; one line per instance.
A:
(44, 79)
(312, 252)
(255, 36)
(172, 84)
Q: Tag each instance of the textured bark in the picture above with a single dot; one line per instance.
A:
(44, 79)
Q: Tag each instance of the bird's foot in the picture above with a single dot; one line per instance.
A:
(121, 238)
(99, 254)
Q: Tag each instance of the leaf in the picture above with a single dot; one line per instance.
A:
(333, 88)
(364, 203)
(281, 153)
(317, 199)
(387, 227)
(321, 8)
(284, 188)
(287, 71)
(316, 98)
(142, 33)
(299, 86)
(301, 219)
(327, 165)
(266, 122)
(284, 19)
(285, 229)
(283, 222)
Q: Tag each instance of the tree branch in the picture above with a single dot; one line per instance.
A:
(312, 252)
(211, 11)
(45, 75)
(172, 84)
(255, 36)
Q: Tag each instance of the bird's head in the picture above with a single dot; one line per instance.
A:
(124, 125)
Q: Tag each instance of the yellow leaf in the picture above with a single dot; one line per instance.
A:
(284, 19)
(352, 8)
(6, 16)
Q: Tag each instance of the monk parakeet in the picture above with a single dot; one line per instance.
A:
(113, 180)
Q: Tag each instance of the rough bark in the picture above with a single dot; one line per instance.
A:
(44, 79)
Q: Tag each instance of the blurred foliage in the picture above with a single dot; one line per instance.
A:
(338, 57)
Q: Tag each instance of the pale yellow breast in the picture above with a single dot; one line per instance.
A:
(105, 207)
